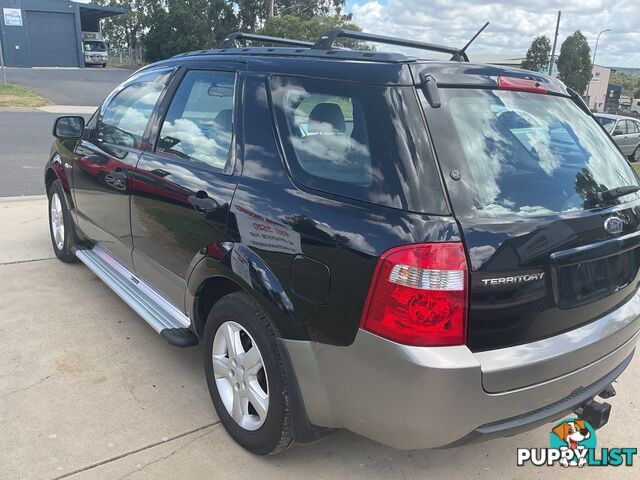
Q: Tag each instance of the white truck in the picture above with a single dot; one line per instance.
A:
(635, 105)
(95, 50)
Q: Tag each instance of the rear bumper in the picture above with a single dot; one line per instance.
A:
(416, 397)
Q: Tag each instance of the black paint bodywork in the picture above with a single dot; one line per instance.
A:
(316, 289)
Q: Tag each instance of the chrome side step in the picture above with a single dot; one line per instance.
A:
(163, 316)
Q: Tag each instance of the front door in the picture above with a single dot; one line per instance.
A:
(182, 188)
(106, 157)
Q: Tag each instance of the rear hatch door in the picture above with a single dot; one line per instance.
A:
(524, 172)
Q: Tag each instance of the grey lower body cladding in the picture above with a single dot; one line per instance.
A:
(428, 397)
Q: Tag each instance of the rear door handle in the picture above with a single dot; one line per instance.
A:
(203, 202)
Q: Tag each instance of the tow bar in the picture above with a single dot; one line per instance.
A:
(596, 413)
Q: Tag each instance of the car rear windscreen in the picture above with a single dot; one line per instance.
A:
(517, 153)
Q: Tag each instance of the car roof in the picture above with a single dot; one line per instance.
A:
(363, 66)
(614, 117)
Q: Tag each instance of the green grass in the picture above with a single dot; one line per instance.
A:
(636, 167)
(17, 96)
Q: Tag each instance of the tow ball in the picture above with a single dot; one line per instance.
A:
(596, 413)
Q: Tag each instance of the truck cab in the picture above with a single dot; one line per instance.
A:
(95, 49)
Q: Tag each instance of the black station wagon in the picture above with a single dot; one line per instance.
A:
(425, 252)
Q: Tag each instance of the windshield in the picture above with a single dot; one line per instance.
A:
(523, 154)
(607, 123)
(95, 47)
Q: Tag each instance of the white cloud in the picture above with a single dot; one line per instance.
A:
(514, 23)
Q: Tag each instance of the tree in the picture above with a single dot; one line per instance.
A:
(186, 25)
(311, 29)
(175, 26)
(574, 62)
(252, 14)
(125, 31)
(538, 54)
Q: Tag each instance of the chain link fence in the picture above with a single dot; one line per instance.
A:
(126, 56)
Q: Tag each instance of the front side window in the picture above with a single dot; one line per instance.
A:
(365, 142)
(124, 120)
(523, 153)
(198, 126)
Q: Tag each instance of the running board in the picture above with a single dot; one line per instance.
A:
(162, 315)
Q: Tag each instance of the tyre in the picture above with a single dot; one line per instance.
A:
(104, 65)
(635, 156)
(61, 226)
(246, 375)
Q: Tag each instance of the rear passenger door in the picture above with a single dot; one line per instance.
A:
(623, 137)
(182, 188)
(634, 135)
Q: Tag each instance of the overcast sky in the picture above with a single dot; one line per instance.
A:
(514, 23)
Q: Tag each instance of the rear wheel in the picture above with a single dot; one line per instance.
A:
(635, 157)
(61, 225)
(246, 376)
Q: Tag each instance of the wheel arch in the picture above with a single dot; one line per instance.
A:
(231, 267)
(56, 171)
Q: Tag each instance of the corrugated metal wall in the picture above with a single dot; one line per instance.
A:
(15, 40)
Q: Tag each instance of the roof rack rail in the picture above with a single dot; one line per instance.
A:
(327, 40)
(230, 41)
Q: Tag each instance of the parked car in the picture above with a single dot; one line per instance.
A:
(427, 253)
(625, 132)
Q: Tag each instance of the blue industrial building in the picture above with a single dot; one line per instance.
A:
(47, 33)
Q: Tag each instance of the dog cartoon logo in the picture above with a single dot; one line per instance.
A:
(573, 437)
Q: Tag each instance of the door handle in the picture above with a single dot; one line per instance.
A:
(203, 202)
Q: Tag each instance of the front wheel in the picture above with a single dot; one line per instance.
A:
(246, 375)
(61, 224)
(635, 157)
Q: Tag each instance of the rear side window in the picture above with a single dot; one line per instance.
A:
(523, 154)
(359, 141)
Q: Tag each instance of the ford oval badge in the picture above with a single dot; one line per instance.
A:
(613, 225)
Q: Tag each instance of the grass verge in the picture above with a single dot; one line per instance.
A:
(18, 96)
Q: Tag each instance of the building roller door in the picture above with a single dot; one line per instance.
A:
(53, 39)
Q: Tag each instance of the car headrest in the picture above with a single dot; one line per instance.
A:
(224, 119)
(326, 118)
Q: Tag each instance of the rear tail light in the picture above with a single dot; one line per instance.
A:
(418, 295)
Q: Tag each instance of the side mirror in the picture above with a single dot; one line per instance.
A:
(617, 132)
(68, 128)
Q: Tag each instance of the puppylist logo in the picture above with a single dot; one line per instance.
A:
(573, 444)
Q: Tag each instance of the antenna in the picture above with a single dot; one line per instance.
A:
(461, 54)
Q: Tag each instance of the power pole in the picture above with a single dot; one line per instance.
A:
(4, 74)
(555, 42)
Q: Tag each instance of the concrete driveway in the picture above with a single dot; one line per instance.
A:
(70, 86)
(89, 391)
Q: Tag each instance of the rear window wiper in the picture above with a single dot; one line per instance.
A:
(617, 192)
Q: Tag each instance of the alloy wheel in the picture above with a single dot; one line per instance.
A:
(240, 375)
(636, 155)
(57, 221)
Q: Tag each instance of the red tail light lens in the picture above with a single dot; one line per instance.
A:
(418, 295)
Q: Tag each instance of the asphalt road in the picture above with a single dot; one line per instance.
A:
(25, 141)
(70, 86)
(25, 136)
